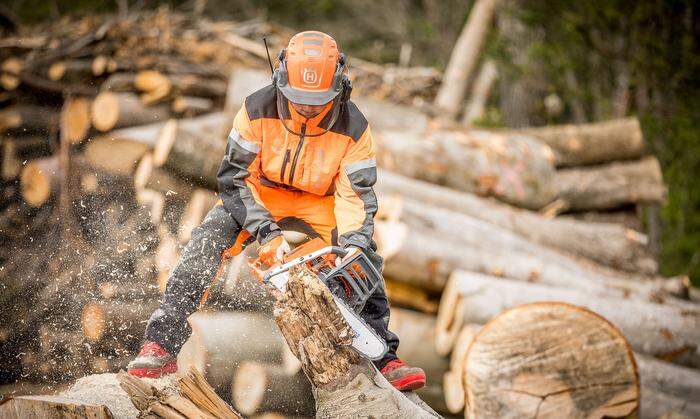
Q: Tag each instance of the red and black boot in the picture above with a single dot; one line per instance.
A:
(403, 377)
(152, 362)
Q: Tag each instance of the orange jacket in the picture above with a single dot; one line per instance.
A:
(271, 144)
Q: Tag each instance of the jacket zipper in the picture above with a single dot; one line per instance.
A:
(284, 165)
(296, 154)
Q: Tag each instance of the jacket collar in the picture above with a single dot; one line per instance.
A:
(316, 125)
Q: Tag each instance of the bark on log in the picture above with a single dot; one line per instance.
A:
(464, 57)
(50, 407)
(667, 378)
(516, 170)
(115, 110)
(39, 180)
(259, 388)
(191, 106)
(550, 359)
(71, 71)
(656, 404)
(654, 329)
(316, 333)
(220, 341)
(612, 185)
(609, 244)
(599, 142)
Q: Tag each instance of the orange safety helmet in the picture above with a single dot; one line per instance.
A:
(312, 70)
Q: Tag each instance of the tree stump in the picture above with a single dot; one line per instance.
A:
(550, 359)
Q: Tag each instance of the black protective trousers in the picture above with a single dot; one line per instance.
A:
(197, 268)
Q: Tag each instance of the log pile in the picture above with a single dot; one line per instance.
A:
(107, 173)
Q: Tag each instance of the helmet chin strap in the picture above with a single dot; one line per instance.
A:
(335, 109)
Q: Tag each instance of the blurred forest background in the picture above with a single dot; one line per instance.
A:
(577, 61)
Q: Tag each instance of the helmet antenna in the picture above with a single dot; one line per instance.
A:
(269, 60)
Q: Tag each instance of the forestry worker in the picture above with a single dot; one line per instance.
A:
(300, 157)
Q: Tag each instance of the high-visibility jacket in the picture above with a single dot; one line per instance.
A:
(273, 145)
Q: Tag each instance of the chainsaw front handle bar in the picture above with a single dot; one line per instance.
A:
(264, 275)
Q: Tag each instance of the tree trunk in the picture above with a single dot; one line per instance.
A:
(220, 341)
(259, 388)
(345, 384)
(116, 110)
(516, 170)
(598, 142)
(480, 93)
(550, 359)
(655, 329)
(609, 244)
(612, 185)
(464, 57)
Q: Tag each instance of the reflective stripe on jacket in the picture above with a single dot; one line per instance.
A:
(314, 158)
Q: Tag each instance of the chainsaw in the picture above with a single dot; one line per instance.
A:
(351, 283)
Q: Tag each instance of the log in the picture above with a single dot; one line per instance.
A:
(120, 82)
(593, 143)
(115, 110)
(50, 407)
(516, 170)
(193, 398)
(550, 359)
(424, 257)
(71, 71)
(452, 380)
(667, 378)
(11, 69)
(608, 244)
(201, 201)
(480, 93)
(659, 330)
(258, 388)
(75, 119)
(315, 331)
(119, 152)
(612, 185)
(39, 181)
(243, 82)
(28, 119)
(198, 145)
(220, 341)
(417, 334)
(190, 106)
(656, 404)
(464, 58)
(155, 85)
(118, 320)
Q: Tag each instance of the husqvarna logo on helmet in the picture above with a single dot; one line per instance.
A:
(309, 76)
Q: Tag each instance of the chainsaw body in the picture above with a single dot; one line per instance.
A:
(351, 283)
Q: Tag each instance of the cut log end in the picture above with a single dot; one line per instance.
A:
(38, 180)
(75, 119)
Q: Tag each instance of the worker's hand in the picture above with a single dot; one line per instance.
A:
(273, 251)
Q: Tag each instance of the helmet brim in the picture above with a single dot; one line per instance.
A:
(305, 97)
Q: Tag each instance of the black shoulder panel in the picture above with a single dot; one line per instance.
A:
(262, 104)
(351, 122)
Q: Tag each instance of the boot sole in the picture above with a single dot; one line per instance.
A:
(409, 383)
(153, 372)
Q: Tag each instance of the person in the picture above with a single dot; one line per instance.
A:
(300, 157)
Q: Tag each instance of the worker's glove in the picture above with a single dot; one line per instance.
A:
(274, 250)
